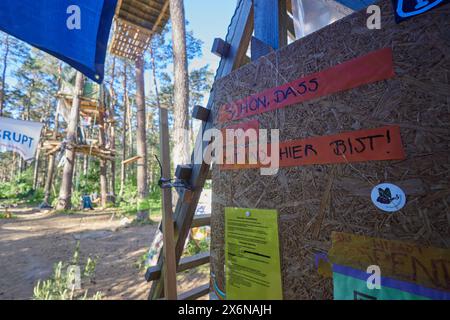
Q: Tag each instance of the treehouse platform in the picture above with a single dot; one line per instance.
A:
(135, 22)
(92, 149)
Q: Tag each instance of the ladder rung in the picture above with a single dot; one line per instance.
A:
(186, 263)
(201, 220)
(198, 221)
(195, 293)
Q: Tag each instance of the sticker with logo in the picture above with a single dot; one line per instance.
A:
(405, 9)
(388, 197)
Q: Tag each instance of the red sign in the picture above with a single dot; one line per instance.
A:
(356, 146)
(375, 66)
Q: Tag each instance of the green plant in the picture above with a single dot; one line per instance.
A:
(58, 286)
(36, 197)
(141, 263)
(129, 204)
(194, 247)
(7, 215)
(76, 199)
(20, 187)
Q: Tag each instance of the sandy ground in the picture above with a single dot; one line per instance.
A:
(31, 243)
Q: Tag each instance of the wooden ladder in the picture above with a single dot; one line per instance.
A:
(233, 54)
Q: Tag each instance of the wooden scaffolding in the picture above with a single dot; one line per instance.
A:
(91, 107)
(134, 24)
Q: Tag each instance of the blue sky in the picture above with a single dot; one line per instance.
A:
(209, 19)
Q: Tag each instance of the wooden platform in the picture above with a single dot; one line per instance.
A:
(53, 146)
(135, 23)
(88, 107)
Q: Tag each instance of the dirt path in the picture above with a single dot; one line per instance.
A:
(31, 243)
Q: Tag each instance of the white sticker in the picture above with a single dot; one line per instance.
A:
(388, 197)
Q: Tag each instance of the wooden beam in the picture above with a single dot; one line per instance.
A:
(220, 47)
(196, 293)
(290, 27)
(200, 113)
(160, 18)
(201, 220)
(186, 263)
(238, 37)
(259, 49)
(183, 172)
(169, 253)
(289, 6)
(131, 160)
(270, 22)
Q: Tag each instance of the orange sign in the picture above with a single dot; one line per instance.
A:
(375, 66)
(356, 146)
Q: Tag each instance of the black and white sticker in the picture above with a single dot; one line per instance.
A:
(388, 197)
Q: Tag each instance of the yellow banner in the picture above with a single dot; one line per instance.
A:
(426, 266)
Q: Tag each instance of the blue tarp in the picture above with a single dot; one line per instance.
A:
(43, 24)
(356, 4)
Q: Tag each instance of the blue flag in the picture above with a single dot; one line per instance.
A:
(75, 31)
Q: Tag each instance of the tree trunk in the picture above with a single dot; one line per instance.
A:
(123, 173)
(85, 165)
(5, 65)
(65, 193)
(50, 171)
(51, 158)
(141, 145)
(14, 167)
(112, 130)
(129, 130)
(36, 167)
(181, 85)
(102, 142)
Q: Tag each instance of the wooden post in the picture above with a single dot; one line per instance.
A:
(170, 265)
(50, 167)
(141, 141)
(65, 193)
(238, 37)
(271, 22)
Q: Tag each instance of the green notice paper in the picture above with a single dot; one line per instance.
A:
(252, 254)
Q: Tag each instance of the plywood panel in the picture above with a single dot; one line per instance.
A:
(315, 200)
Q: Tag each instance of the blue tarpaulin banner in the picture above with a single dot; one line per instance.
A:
(75, 31)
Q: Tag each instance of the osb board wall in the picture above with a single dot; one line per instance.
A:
(417, 100)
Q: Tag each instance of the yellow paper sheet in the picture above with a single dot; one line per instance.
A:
(252, 254)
